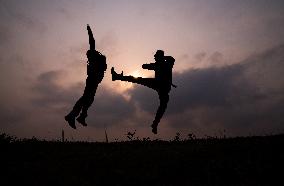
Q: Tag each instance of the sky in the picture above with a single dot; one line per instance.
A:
(229, 67)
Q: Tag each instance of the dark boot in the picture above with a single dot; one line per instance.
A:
(115, 76)
(71, 120)
(81, 120)
(154, 128)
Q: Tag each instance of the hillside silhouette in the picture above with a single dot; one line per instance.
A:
(210, 161)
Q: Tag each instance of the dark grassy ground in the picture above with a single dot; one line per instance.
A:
(231, 161)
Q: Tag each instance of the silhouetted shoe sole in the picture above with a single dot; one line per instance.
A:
(71, 122)
(154, 129)
(82, 121)
(113, 74)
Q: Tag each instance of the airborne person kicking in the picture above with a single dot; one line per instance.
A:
(161, 83)
(96, 67)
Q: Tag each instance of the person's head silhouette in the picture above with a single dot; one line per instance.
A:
(90, 54)
(159, 56)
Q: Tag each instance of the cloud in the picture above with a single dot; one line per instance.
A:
(245, 98)
(16, 74)
(109, 44)
(109, 107)
(21, 17)
(4, 35)
(11, 115)
(200, 56)
(216, 58)
(50, 93)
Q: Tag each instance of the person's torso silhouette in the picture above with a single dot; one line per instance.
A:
(163, 70)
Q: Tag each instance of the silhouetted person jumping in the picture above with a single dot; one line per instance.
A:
(96, 67)
(161, 83)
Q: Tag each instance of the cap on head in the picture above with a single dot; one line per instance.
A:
(159, 53)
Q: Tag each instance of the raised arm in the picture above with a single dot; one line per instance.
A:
(91, 38)
(150, 66)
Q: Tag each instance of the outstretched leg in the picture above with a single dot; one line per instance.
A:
(164, 99)
(148, 82)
